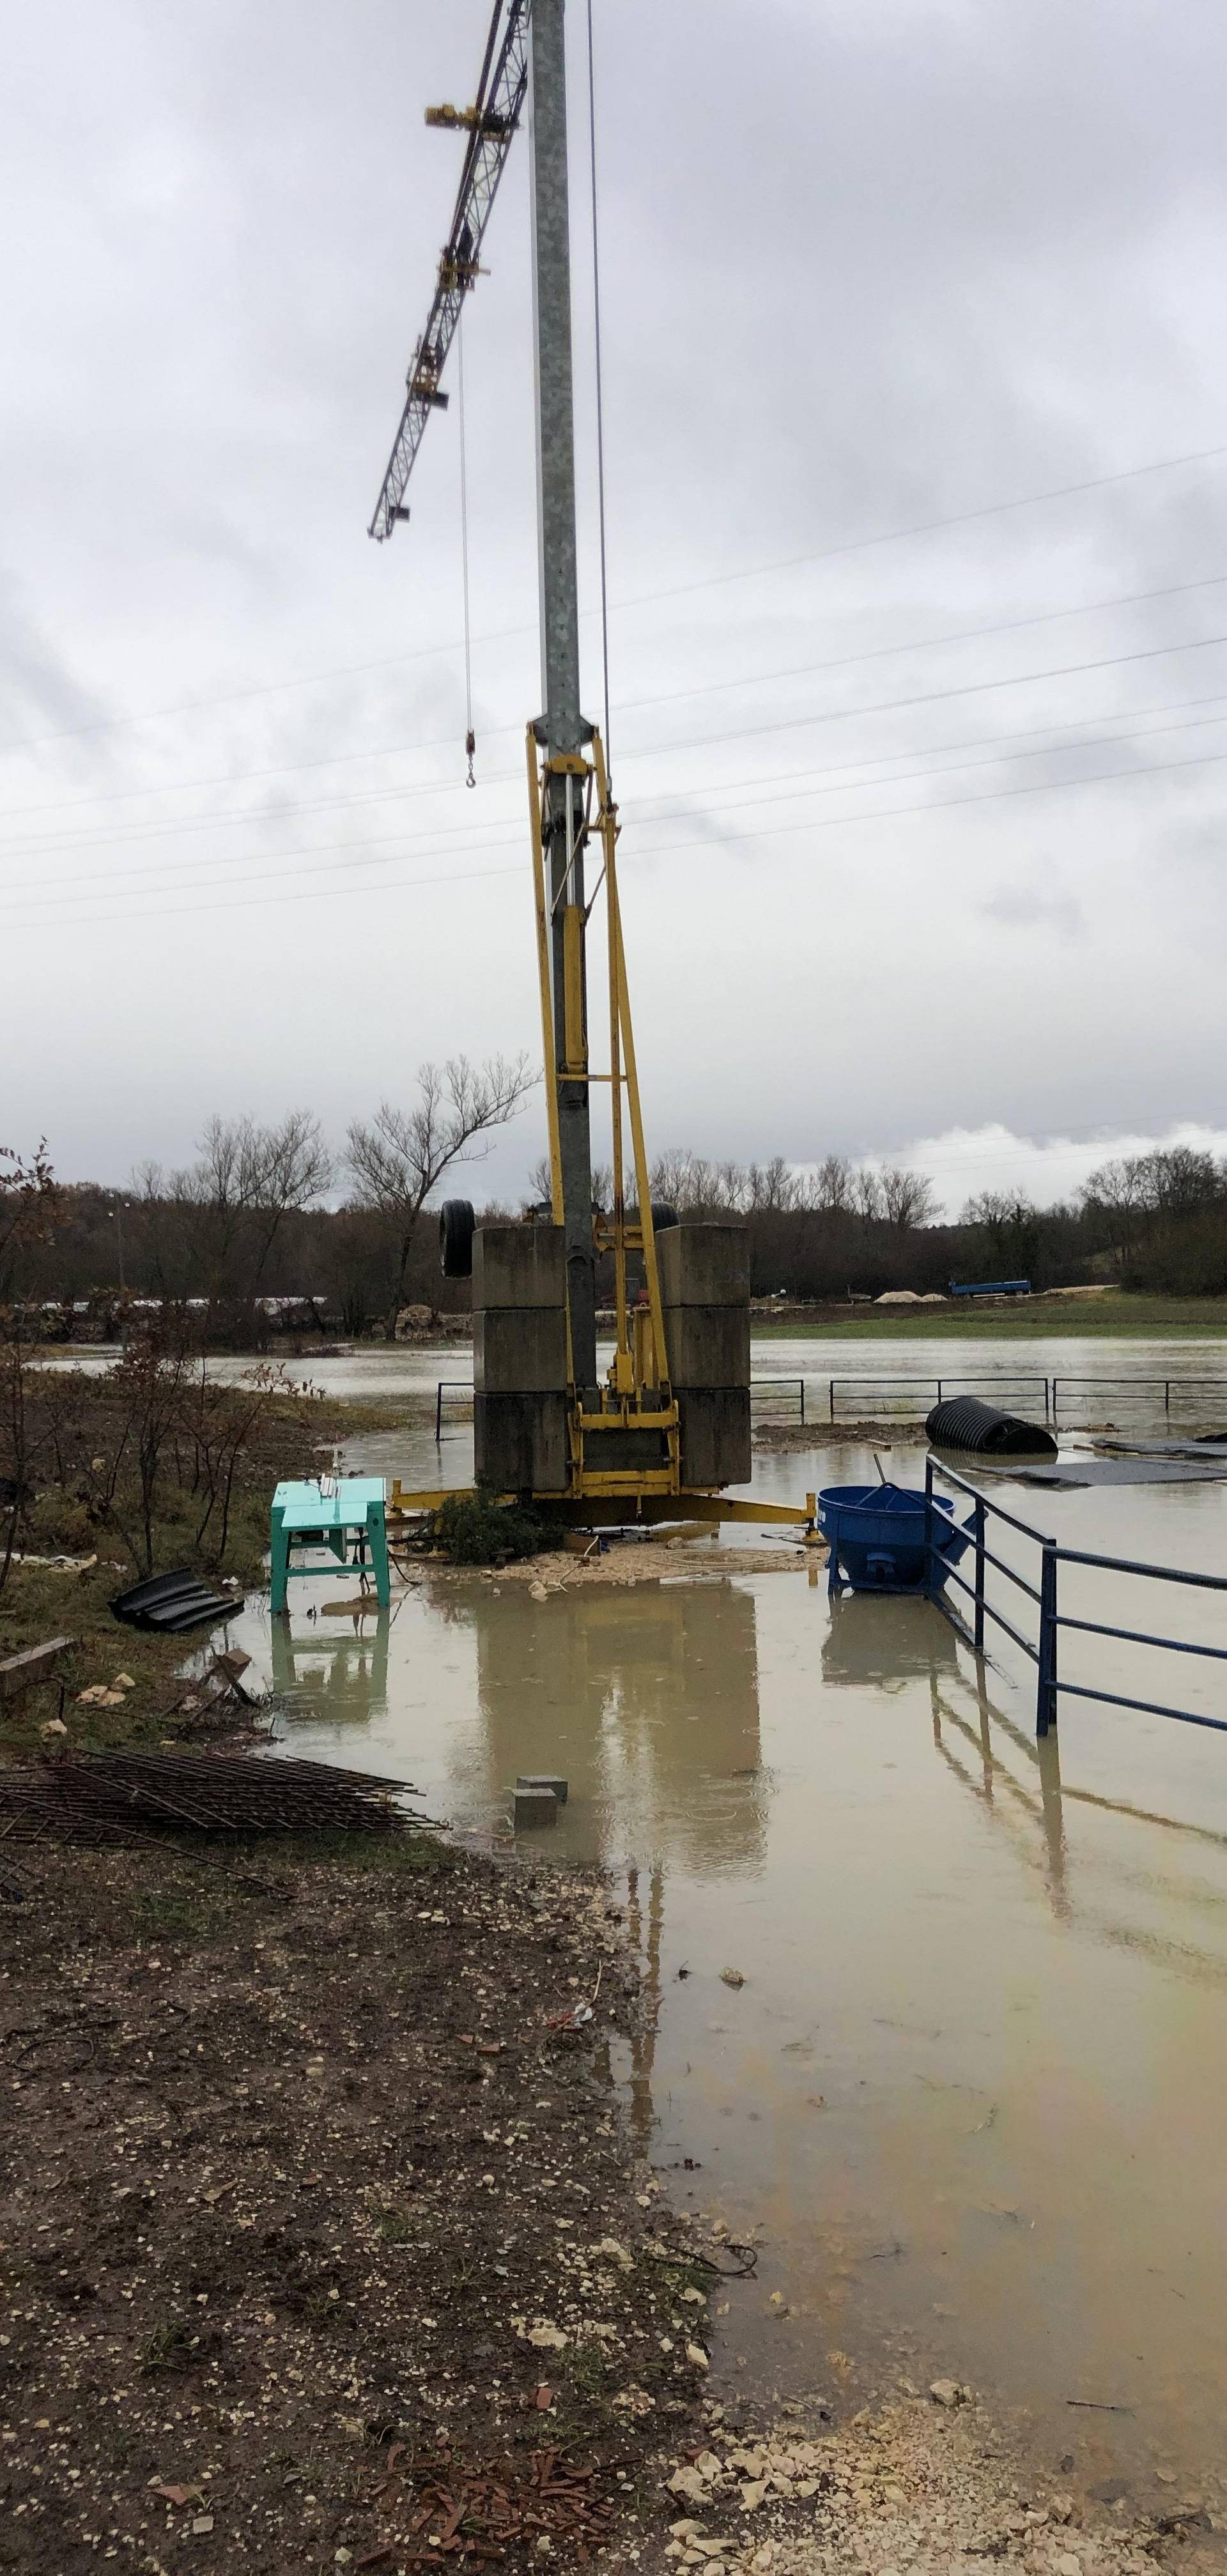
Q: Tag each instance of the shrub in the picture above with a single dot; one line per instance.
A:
(474, 1529)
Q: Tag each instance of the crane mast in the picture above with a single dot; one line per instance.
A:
(532, 42)
(561, 730)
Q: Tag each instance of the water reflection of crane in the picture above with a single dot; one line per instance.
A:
(648, 1705)
(651, 1708)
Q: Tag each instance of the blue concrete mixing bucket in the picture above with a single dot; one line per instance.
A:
(876, 1534)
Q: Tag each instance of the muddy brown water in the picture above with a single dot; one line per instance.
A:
(973, 2089)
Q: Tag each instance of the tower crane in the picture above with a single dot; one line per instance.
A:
(624, 1439)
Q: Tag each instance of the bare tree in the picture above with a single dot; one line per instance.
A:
(867, 1195)
(832, 1185)
(402, 1155)
(31, 1200)
(540, 1185)
(908, 1198)
(31, 1208)
(248, 1180)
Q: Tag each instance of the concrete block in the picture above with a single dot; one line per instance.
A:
(520, 1350)
(520, 1443)
(535, 1807)
(708, 1345)
(543, 1780)
(704, 1265)
(714, 1424)
(519, 1265)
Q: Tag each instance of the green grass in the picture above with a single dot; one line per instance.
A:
(1116, 1317)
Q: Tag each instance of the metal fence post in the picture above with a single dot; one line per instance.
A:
(1046, 1687)
(832, 1399)
(438, 1412)
(978, 1527)
(1167, 1399)
(929, 1567)
(802, 1386)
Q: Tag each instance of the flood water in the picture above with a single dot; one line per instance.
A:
(973, 2089)
(1096, 1378)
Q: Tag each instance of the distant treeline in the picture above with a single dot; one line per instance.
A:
(245, 1225)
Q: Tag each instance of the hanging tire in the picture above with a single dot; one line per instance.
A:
(456, 1226)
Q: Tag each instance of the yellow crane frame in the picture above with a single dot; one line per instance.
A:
(637, 1394)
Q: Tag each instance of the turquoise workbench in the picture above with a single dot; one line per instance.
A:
(336, 1514)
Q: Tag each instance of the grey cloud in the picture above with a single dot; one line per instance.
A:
(1018, 908)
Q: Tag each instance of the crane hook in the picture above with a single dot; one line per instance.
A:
(470, 744)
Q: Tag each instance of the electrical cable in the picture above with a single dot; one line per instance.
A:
(600, 404)
(849, 661)
(641, 599)
(720, 799)
(689, 848)
(470, 738)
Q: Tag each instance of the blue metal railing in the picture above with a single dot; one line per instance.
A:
(1042, 1650)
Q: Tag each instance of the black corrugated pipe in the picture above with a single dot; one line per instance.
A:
(963, 1422)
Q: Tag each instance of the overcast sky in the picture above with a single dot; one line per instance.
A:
(923, 837)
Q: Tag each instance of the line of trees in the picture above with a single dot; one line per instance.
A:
(248, 1220)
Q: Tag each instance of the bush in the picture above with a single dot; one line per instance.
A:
(474, 1529)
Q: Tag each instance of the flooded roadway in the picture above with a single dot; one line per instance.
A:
(974, 2086)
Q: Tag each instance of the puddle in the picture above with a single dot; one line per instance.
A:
(974, 2085)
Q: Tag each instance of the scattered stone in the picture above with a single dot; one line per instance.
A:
(731, 1977)
(689, 2483)
(948, 2392)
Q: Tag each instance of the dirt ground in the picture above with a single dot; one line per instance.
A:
(320, 2242)
(782, 1436)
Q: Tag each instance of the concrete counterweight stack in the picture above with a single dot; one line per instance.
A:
(520, 1359)
(705, 1294)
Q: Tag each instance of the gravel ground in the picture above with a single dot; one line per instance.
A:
(930, 2485)
(646, 1561)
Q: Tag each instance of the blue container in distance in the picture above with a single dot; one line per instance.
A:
(876, 1535)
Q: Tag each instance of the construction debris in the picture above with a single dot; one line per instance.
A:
(18, 1673)
(113, 1798)
(171, 1603)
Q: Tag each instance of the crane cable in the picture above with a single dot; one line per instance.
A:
(600, 400)
(470, 738)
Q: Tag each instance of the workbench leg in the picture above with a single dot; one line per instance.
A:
(279, 1548)
(377, 1532)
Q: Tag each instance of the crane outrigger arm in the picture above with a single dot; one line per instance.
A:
(490, 125)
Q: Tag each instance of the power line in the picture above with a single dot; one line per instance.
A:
(689, 848)
(642, 599)
(764, 789)
(841, 662)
